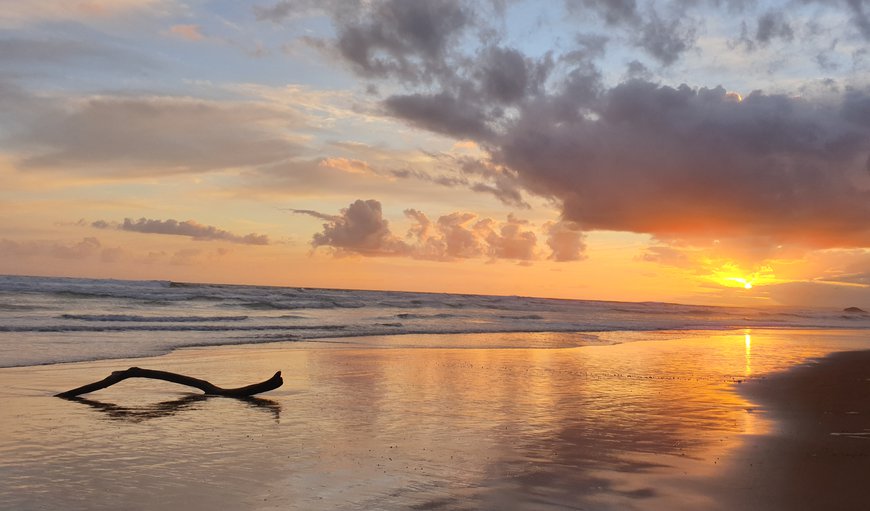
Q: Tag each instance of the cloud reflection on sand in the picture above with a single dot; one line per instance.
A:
(638, 425)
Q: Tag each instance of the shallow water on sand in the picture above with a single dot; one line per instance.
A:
(377, 423)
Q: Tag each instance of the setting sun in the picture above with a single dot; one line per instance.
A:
(733, 275)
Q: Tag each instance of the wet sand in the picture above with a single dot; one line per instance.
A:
(391, 423)
(817, 455)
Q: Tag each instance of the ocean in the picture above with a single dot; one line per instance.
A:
(45, 320)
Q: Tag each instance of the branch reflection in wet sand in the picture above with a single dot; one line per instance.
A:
(137, 414)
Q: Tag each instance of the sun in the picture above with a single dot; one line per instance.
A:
(731, 275)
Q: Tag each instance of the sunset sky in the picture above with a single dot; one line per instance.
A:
(699, 151)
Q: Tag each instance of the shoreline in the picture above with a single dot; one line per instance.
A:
(817, 455)
(334, 340)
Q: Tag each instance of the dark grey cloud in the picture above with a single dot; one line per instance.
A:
(503, 187)
(188, 228)
(315, 214)
(675, 162)
(403, 39)
(277, 12)
(504, 75)
(418, 44)
(860, 16)
(636, 70)
(773, 25)
(504, 192)
(857, 11)
(664, 30)
(417, 41)
(666, 39)
(698, 161)
(442, 113)
(770, 25)
(475, 100)
(500, 181)
(856, 107)
(282, 10)
(448, 181)
(587, 48)
(614, 12)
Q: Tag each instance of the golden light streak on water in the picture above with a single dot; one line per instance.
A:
(748, 343)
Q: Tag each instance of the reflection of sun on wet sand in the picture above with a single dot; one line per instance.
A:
(652, 423)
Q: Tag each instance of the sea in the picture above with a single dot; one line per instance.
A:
(47, 320)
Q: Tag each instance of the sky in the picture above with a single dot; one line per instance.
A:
(694, 151)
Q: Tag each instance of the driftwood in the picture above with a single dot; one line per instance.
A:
(211, 390)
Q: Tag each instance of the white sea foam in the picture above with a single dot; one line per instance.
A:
(45, 320)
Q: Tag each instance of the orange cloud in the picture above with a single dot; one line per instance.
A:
(350, 166)
(189, 32)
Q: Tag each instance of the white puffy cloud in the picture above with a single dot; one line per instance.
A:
(361, 229)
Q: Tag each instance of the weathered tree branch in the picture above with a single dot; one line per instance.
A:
(213, 390)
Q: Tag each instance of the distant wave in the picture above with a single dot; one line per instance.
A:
(11, 307)
(147, 319)
(443, 315)
(163, 328)
(183, 284)
(133, 295)
(283, 305)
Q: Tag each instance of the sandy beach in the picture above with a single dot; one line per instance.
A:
(817, 455)
(668, 420)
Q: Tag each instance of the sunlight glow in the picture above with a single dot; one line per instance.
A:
(732, 275)
(736, 282)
